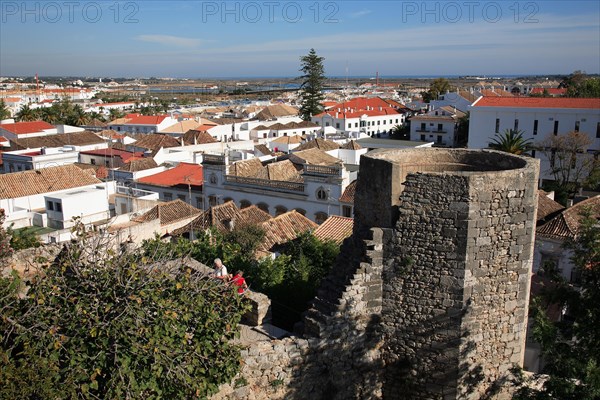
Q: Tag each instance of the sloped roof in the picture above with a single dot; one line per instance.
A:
(146, 120)
(155, 141)
(471, 97)
(288, 139)
(194, 136)
(277, 110)
(112, 152)
(139, 164)
(182, 174)
(313, 156)
(22, 128)
(283, 228)
(181, 126)
(169, 212)
(546, 206)
(351, 145)
(45, 180)
(349, 192)
(280, 171)
(215, 216)
(318, 143)
(250, 167)
(453, 110)
(57, 140)
(566, 224)
(253, 215)
(335, 228)
(263, 149)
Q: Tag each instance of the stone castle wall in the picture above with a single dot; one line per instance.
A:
(429, 297)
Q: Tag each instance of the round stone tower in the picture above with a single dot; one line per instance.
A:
(457, 270)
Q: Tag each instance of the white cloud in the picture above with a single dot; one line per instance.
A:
(361, 13)
(170, 40)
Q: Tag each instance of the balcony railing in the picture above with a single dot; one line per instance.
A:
(322, 170)
(214, 159)
(422, 130)
(266, 183)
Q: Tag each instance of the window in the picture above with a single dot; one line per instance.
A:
(58, 207)
(555, 128)
(576, 126)
(245, 204)
(326, 123)
(396, 120)
(181, 197)
(349, 125)
(552, 158)
(423, 126)
(263, 206)
(516, 128)
(213, 179)
(347, 211)
(422, 138)
(356, 124)
(598, 131)
(93, 161)
(378, 122)
(337, 125)
(50, 206)
(199, 203)
(280, 210)
(320, 217)
(107, 163)
(497, 130)
(212, 200)
(535, 127)
(168, 196)
(533, 153)
(322, 194)
(439, 139)
(440, 127)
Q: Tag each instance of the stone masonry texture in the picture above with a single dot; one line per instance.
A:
(428, 298)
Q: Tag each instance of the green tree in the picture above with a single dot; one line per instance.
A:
(437, 87)
(571, 347)
(511, 141)
(571, 166)
(4, 111)
(312, 84)
(5, 248)
(108, 323)
(23, 238)
(462, 130)
(26, 113)
(401, 132)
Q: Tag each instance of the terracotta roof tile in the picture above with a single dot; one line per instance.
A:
(250, 168)
(318, 143)
(57, 140)
(566, 224)
(263, 149)
(288, 139)
(146, 120)
(155, 141)
(283, 228)
(313, 156)
(112, 152)
(22, 128)
(254, 215)
(348, 195)
(274, 111)
(216, 216)
(182, 174)
(138, 164)
(181, 126)
(351, 145)
(195, 136)
(546, 206)
(53, 179)
(169, 212)
(335, 228)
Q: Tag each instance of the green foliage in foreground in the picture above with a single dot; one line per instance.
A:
(103, 324)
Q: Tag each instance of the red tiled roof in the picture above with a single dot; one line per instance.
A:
(335, 228)
(538, 102)
(45, 180)
(359, 113)
(566, 224)
(283, 228)
(318, 143)
(182, 174)
(21, 128)
(348, 195)
(547, 206)
(169, 212)
(110, 152)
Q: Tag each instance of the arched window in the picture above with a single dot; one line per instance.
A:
(301, 211)
(226, 199)
(213, 179)
(322, 193)
(280, 210)
(263, 206)
(245, 204)
(320, 217)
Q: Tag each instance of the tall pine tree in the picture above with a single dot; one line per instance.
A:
(312, 84)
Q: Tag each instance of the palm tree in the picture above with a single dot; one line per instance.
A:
(26, 113)
(4, 111)
(512, 141)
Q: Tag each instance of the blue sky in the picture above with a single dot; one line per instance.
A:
(207, 39)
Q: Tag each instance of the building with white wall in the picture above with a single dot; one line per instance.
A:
(537, 118)
(21, 130)
(438, 126)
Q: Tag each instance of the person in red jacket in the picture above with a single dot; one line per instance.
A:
(239, 281)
